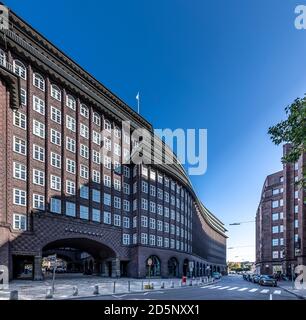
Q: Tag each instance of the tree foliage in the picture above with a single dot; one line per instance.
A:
(293, 131)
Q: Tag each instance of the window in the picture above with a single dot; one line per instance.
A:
(152, 240)
(166, 212)
(172, 229)
(166, 227)
(107, 217)
(70, 144)
(70, 187)
(125, 239)
(152, 175)
(144, 238)
(167, 197)
(296, 166)
(117, 184)
(56, 92)
(117, 149)
(107, 126)
(107, 162)
(117, 167)
(134, 222)
(96, 157)
(275, 254)
(281, 228)
(39, 129)
(84, 151)
(84, 212)
(55, 183)
(275, 204)
(38, 177)
(20, 222)
(96, 138)
(107, 181)
(23, 97)
(107, 144)
(96, 177)
(172, 214)
(56, 160)
(296, 238)
(126, 171)
(166, 242)
(20, 69)
(296, 223)
(70, 166)
(20, 171)
(159, 225)
(70, 209)
(126, 138)
(144, 171)
(281, 202)
(281, 241)
(2, 58)
(126, 222)
(38, 202)
(70, 102)
(152, 207)
(19, 197)
(70, 123)
(159, 178)
(84, 172)
(38, 105)
(20, 146)
(152, 191)
(126, 188)
(117, 132)
(275, 242)
(160, 209)
(84, 132)
(84, 111)
(172, 243)
(107, 199)
(296, 209)
(134, 238)
(281, 215)
(20, 120)
(84, 192)
(275, 216)
(96, 215)
(38, 81)
(55, 137)
(144, 204)
(144, 221)
(167, 182)
(144, 186)
(96, 119)
(96, 195)
(56, 115)
(126, 205)
(55, 205)
(117, 220)
(296, 194)
(152, 223)
(281, 179)
(160, 194)
(38, 153)
(117, 202)
(159, 241)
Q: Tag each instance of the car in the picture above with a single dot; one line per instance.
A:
(255, 278)
(267, 280)
(216, 275)
(60, 270)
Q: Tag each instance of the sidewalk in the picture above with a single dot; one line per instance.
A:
(287, 286)
(64, 288)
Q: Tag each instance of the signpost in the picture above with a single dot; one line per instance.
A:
(150, 262)
(54, 265)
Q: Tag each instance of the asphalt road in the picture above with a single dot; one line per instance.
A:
(231, 287)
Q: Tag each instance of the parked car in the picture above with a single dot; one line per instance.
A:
(60, 270)
(216, 275)
(255, 278)
(266, 280)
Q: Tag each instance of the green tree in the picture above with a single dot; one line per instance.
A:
(293, 131)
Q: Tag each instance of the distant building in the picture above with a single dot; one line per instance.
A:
(281, 221)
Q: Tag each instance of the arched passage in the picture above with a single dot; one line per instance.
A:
(173, 267)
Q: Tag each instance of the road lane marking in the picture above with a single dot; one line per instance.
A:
(264, 291)
(223, 288)
(214, 287)
(243, 289)
(253, 290)
(233, 288)
(277, 292)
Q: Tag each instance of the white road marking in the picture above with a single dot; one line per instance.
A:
(233, 288)
(223, 288)
(253, 290)
(243, 289)
(264, 291)
(214, 287)
(277, 292)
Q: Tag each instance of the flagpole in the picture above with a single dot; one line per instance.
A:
(138, 102)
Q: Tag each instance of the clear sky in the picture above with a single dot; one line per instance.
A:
(228, 66)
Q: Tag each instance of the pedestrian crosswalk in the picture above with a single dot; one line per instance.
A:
(243, 289)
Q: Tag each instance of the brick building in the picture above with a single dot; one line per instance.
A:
(280, 221)
(64, 187)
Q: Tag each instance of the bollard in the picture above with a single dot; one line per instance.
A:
(162, 285)
(49, 294)
(172, 284)
(129, 286)
(152, 285)
(14, 295)
(96, 289)
(114, 287)
(190, 283)
(75, 291)
(141, 285)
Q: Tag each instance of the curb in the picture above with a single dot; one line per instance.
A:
(295, 294)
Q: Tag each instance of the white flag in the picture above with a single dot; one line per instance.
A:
(137, 97)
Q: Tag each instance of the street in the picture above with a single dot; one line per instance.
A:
(229, 288)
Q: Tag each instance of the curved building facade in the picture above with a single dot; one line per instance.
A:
(66, 187)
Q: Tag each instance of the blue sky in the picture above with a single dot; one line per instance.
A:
(228, 66)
